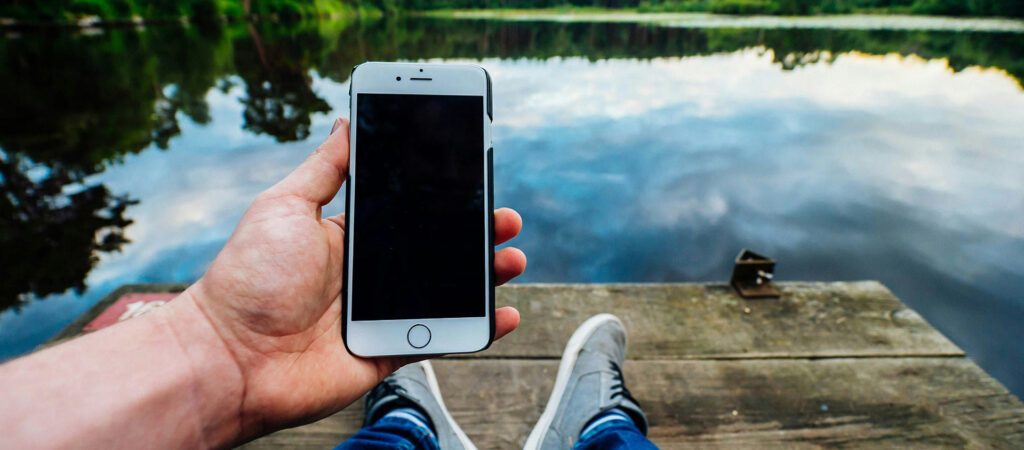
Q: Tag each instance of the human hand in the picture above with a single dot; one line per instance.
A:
(273, 296)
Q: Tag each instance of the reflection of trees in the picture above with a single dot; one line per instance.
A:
(421, 39)
(75, 104)
(279, 90)
(49, 240)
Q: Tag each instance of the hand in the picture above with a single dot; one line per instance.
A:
(273, 296)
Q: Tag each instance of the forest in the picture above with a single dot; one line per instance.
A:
(199, 10)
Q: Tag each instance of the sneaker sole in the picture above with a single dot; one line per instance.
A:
(435, 390)
(572, 351)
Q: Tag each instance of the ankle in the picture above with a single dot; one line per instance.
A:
(611, 417)
(409, 412)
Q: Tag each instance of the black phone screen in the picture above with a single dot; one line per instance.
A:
(418, 221)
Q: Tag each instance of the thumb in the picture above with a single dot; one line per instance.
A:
(320, 176)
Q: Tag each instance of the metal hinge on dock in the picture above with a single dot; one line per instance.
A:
(752, 276)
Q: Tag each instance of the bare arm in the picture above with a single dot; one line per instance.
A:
(161, 379)
(252, 347)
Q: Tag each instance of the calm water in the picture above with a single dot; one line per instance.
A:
(634, 153)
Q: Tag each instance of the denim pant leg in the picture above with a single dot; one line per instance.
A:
(615, 434)
(391, 433)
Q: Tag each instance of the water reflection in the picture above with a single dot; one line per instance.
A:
(635, 153)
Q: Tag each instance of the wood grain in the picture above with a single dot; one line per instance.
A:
(826, 365)
(773, 403)
(708, 320)
(697, 320)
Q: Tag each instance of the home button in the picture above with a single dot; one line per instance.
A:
(418, 336)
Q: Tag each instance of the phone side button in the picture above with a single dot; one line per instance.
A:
(418, 336)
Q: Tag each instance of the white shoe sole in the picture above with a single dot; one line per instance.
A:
(572, 351)
(428, 370)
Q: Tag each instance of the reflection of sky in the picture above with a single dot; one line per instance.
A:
(883, 168)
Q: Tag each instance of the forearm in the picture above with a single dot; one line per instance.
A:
(163, 379)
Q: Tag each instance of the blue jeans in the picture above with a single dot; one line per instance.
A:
(616, 434)
(396, 433)
(391, 433)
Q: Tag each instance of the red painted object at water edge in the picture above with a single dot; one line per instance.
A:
(128, 306)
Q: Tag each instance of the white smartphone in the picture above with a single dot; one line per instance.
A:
(419, 227)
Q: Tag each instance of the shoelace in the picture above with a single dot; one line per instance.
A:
(619, 389)
(387, 387)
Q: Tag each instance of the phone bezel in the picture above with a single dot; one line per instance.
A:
(370, 338)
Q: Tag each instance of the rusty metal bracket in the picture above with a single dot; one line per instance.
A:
(752, 276)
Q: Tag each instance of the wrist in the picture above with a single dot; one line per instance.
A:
(216, 386)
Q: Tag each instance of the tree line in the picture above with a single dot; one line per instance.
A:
(197, 10)
(71, 10)
(984, 8)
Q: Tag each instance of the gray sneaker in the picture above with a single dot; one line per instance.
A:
(589, 382)
(416, 385)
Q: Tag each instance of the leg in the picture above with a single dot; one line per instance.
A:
(406, 411)
(590, 406)
(613, 430)
(392, 433)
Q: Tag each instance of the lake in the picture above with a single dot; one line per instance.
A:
(635, 153)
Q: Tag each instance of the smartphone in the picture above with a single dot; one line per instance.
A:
(419, 227)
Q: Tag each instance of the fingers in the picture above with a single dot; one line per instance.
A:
(338, 123)
(318, 178)
(509, 262)
(507, 224)
(506, 319)
(339, 220)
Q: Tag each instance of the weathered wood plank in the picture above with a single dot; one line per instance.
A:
(828, 364)
(698, 320)
(764, 403)
(708, 320)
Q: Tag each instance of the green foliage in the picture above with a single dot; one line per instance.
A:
(744, 7)
(835, 7)
(200, 10)
(1011, 8)
(940, 7)
(69, 10)
(969, 7)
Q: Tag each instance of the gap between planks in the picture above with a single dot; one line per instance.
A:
(741, 357)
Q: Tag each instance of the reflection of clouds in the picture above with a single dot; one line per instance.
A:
(869, 167)
(193, 194)
(682, 207)
(942, 145)
(883, 168)
(708, 20)
(566, 90)
(191, 197)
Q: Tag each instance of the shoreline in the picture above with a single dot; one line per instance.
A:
(89, 22)
(866, 21)
(709, 20)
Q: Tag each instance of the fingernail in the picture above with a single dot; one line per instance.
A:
(337, 124)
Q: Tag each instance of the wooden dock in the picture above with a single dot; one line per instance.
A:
(825, 365)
